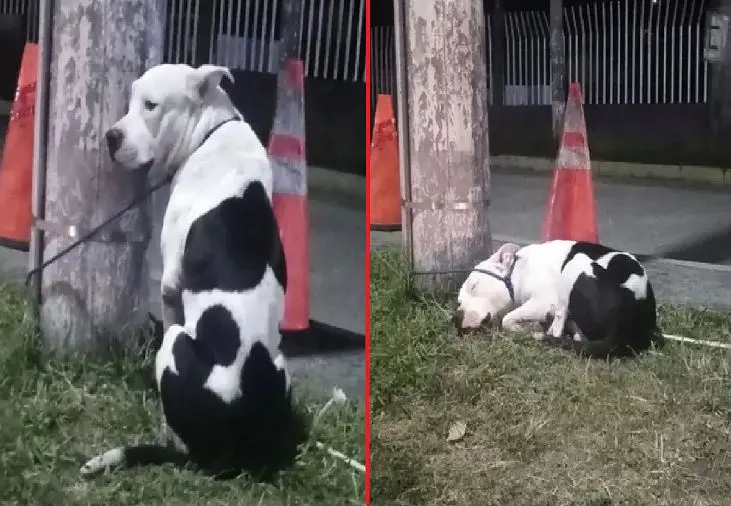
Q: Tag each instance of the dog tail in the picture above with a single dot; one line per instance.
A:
(131, 456)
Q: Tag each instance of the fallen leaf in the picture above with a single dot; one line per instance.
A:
(456, 432)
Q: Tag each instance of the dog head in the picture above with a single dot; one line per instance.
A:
(165, 117)
(487, 291)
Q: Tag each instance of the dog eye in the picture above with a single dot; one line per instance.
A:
(150, 105)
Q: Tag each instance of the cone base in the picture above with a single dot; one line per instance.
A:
(320, 338)
(14, 244)
(386, 228)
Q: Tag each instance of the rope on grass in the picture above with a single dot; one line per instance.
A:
(712, 344)
(338, 397)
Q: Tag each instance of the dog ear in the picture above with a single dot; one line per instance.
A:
(505, 255)
(207, 78)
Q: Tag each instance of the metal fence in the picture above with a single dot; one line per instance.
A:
(621, 51)
(245, 34)
(28, 9)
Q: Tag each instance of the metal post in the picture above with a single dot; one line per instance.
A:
(558, 67)
(717, 52)
(402, 126)
(448, 138)
(100, 289)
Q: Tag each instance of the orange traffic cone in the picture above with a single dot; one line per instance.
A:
(385, 190)
(287, 154)
(571, 211)
(16, 167)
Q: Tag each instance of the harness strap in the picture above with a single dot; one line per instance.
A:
(507, 280)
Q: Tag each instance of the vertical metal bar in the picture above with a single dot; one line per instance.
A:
(272, 31)
(219, 31)
(188, 39)
(673, 56)
(302, 35)
(196, 17)
(598, 76)
(542, 58)
(633, 66)
(509, 66)
(339, 39)
(625, 29)
(254, 39)
(179, 38)
(698, 55)
(212, 38)
(490, 80)
(589, 87)
(640, 43)
(402, 119)
(358, 41)
(349, 37)
(247, 63)
(689, 77)
(605, 64)
(310, 37)
(665, 77)
(656, 39)
(237, 34)
(328, 34)
(532, 39)
(318, 41)
(263, 35)
(681, 67)
(230, 40)
(521, 54)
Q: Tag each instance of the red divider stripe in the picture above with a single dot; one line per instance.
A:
(573, 140)
(286, 146)
(296, 73)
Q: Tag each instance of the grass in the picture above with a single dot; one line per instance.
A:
(543, 427)
(54, 415)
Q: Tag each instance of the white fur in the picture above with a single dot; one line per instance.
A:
(540, 287)
(172, 110)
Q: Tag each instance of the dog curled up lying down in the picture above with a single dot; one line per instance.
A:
(597, 300)
(222, 381)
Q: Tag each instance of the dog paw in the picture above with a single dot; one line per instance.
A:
(539, 336)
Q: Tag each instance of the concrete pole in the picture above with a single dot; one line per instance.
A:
(558, 67)
(102, 288)
(446, 81)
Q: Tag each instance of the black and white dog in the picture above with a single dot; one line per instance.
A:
(598, 300)
(223, 383)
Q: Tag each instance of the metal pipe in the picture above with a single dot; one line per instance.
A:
(40, 132)
(402, 105)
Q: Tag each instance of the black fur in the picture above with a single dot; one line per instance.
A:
(611, 321)
(228, 248)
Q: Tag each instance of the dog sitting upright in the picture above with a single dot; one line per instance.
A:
(223, 383)
(600, 297)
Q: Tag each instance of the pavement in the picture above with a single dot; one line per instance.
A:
(641, 216)
(337, 277)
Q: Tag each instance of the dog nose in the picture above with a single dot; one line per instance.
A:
(114, 137)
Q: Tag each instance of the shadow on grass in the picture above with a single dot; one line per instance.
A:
(543, 426)
(56, 413)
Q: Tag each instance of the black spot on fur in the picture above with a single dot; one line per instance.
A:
(218, 333)
(258, 432)
(229, 247)
(590, 249)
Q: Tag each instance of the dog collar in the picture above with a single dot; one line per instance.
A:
(213, 130)
(507, 280)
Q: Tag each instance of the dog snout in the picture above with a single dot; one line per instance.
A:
(114, 137)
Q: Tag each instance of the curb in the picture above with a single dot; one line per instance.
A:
(332, 181)
(714, 176)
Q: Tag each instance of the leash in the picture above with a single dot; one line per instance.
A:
(137, 201)
(165, 181)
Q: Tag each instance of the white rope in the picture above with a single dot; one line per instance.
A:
(712, 344)
(338, 397)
